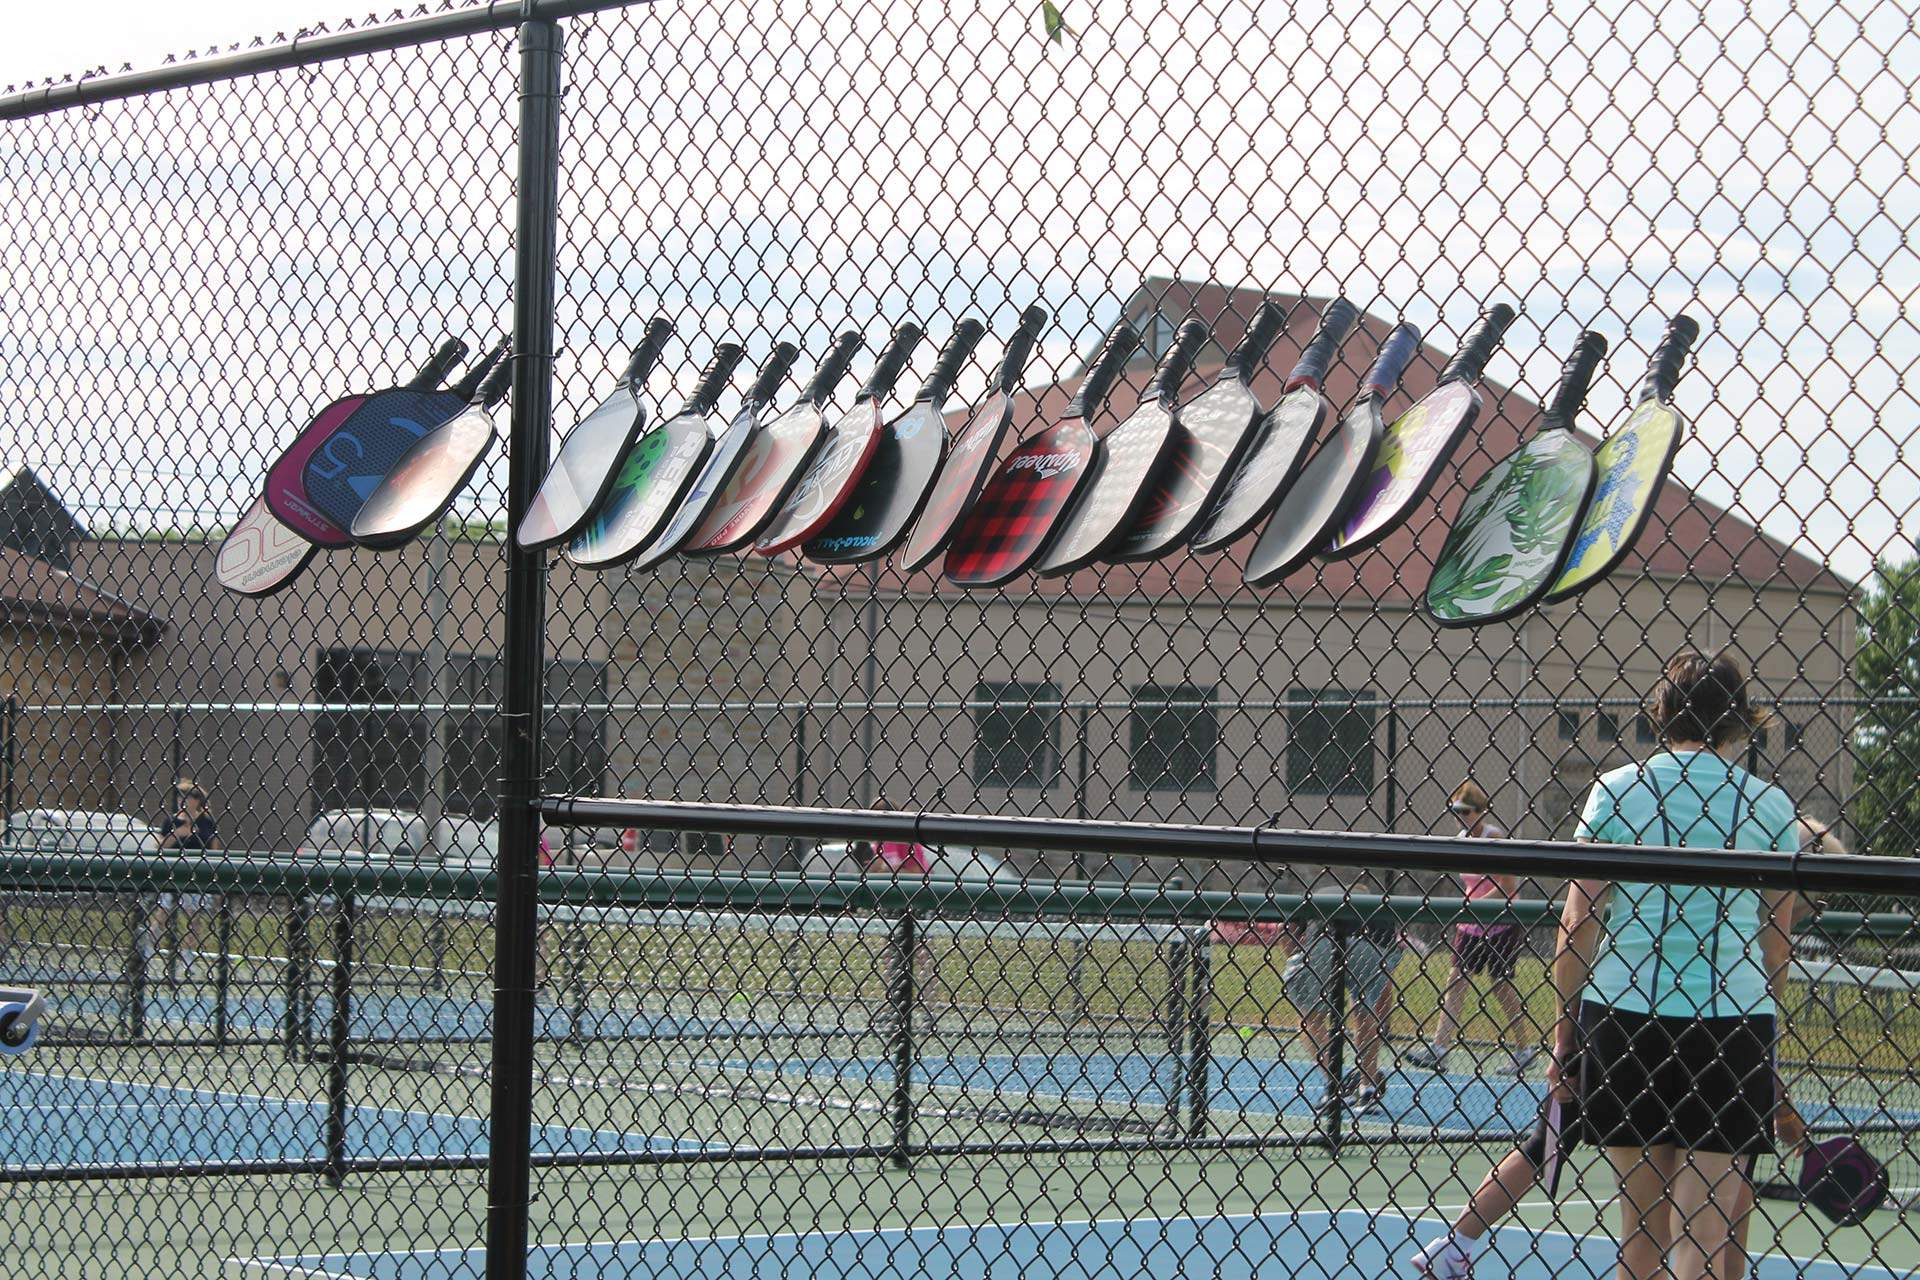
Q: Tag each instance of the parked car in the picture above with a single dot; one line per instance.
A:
(376, 835)
(839, 858)
(79, 831)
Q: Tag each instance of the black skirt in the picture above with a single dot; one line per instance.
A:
(1705, 1084)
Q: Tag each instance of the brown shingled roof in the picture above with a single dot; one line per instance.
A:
(35, 593)
(1688, 536)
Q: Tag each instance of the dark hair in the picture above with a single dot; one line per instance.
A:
(1702, 699)
(194, 792)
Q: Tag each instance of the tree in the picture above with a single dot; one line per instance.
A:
(1886, 735)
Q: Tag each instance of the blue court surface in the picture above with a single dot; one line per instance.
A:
(64, 1121)
(1349, 1245)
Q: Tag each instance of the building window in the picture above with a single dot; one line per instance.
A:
(573, 738)
(1609, 728)
(369, 755)
(1330, 742)
(1016, 729)
(1569, 725)
(1175, 734)
(1643, 730)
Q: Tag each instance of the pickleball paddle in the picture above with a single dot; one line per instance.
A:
(848, 447)
(1516, 526)
(1009, 527)
(891, 490)
(1127, 461)
(284, 492)
(587, 460)
(1420, 441)
(971, 458)
(260, 555)
(655, 473)
(1256, 486)
(1314, 506)
(772, 462)
(418, 489)
(1633, 462)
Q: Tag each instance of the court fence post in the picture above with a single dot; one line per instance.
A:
(906, 942)
(1200, 1037)
(339, 1029)
(523, 654)
(222, 965)
(1178, 1022)
(1337, 1033)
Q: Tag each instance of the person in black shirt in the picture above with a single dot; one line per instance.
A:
(190, 830)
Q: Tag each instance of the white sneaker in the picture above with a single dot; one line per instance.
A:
(1442, 1260)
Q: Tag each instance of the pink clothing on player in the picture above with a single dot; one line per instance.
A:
(1479, 886)
(903, 855)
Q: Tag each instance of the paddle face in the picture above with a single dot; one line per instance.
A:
(655, 476)
(346, 467)
(1513, 532)
(1307, 517)
(260, 555)
(1214, 430)
(891, 490)
(1412, 452)
(714, 474)
(286, 496)
(959, 481)
(1011, 523)
(762, 480)
(828, 483)
(418, 489)
(1633, 462)
(583, 470)
(1263, 476)
(1130, 459)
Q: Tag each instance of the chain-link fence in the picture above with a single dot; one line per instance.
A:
(994, 839)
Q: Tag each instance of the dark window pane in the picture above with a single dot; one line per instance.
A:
(1016, 734)
(1569, 725)
(1643, 730)
(1175, 736)
(1609, 728)
(1329, 742)
(370, 756)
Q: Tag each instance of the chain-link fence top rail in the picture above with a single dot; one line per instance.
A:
(193, 273)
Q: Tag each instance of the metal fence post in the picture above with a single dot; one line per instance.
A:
(523, 658)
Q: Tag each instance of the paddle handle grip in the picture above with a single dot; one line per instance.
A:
(1013, 362)
(1268, 321)
(1576, 379)
(834, 367)
(1178, 362)
(646, 352)
(719, 372)
(1317, 358)
(772, 374)
(494, 390)
(1471, 360)
(469, 385)
(893, 361)
(1106, 366)
(439, 365)
(953, 358)
(1669, 358)
(1396, 353)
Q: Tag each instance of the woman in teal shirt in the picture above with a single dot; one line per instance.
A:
(1668, 992)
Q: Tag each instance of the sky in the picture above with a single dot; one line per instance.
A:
(777, 174)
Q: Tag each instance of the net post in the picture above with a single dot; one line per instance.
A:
(339, 1027)
(296, 975)
(1179, 964)
(1337, 1033)
(523, 652)
(1200, 1037)
(906, 941)
(222, 966)
(145, 905)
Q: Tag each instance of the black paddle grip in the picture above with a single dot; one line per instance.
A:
(1396, 353)
(772, 374)
(1268, 321)
(719, 372)
(439, 365)
(1013, 362)
(469, 385)
(495, 388)
(1178, 362)
(646, 353)
(1103, 369)
(1318, 356)
(1669, 358)
(893, 361)
(953, 358)
(1468, 362)
(1575, 380)
(834, 367)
